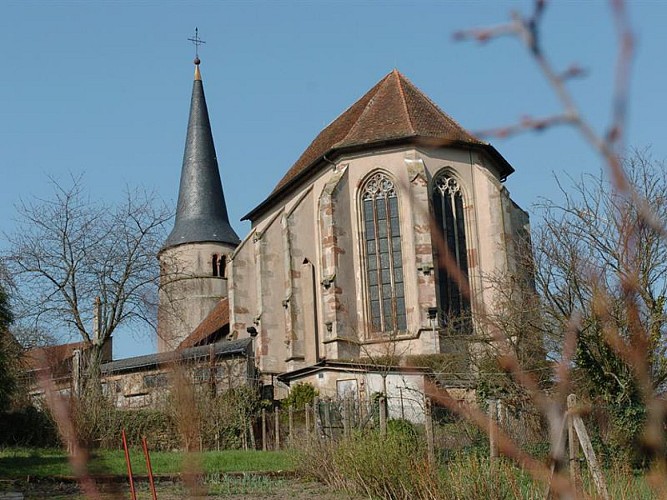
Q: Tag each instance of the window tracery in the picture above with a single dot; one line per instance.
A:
(447, 202)
(383, 256)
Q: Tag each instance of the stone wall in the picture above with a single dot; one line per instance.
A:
(150, 388)
(189, 290)
(299, 278)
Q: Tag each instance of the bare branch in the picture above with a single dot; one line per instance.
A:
(68, 250)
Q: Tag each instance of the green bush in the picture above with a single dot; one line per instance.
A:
(471, 476)
(226, 418)
(402, 428)
(376, 466)
(210, 421)
(300, 395)
(29, 427)
(395, 467)
(99, 424)
(156, 426)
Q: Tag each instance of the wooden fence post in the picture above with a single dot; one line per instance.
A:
(589, 453)
(290, 422)
(276, 415)
(493, 429)
(572, 443)
(307, 410)
(383, 415)
(264, 447)
(316, 418)
(251, 426)
(362, 411)
(347, 417)
(428, 422)
(327, 419)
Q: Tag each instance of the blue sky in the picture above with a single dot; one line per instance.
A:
(103, 88)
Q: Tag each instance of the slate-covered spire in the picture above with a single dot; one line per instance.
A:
(201, 214)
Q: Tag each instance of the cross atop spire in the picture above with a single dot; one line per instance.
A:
(196, 41)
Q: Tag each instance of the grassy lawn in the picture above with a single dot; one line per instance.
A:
(21, 462)
(470, 476)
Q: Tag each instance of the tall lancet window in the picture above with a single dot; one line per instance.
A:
(384, 261)
(447, 201)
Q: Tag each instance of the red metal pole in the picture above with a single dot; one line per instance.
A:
(148, 467)
(129, 467)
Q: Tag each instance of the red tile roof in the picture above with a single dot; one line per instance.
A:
(50, 356)
(394, 109)
(58, 357)
(217, 319)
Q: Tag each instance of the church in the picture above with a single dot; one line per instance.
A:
(376, 244)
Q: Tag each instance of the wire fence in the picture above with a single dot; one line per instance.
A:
(446, 433)
(335, 418)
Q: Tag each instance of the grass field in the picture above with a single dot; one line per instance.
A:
(21, 462)
(35, 471)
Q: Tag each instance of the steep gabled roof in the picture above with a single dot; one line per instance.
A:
(213, 323)
(393, 110)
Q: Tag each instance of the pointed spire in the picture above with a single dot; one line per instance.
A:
(201, 214)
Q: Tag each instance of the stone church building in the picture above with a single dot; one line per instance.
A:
(377, 241)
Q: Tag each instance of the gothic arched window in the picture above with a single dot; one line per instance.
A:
(447, 201)
(384, 261)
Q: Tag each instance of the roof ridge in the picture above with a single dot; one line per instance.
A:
(368, 105)
(215, 320)
(350, 107)
(439, 110)
(384, 115)
(405, 103)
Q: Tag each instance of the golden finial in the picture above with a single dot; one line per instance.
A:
(196, 41)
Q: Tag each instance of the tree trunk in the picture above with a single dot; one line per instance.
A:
(92, 371)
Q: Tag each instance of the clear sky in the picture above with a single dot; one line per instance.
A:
(103, 88)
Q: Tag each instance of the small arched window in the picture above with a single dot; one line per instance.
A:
(384, 261)
(447, 200)
(214, 262)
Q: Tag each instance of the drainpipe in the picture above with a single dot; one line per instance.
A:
(252, 331)
(432, 313)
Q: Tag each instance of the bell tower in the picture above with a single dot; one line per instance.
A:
(194, 258)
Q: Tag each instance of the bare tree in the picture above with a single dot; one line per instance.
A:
(598, 257)
(70, 251)
(627, 319)
(517, 312)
